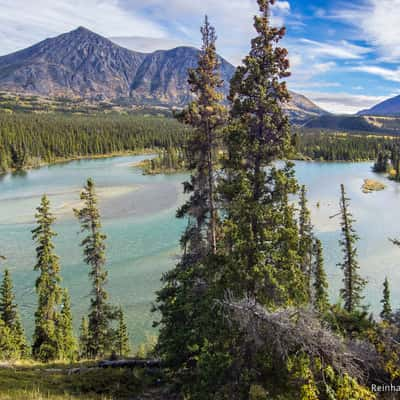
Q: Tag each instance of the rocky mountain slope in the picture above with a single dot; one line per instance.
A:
(84, 64)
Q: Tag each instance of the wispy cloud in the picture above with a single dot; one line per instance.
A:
(385, 73)
(148, 45)
(377, 22)
(341, 50)
(344, 103)
(233, 20)
(311, 58)
(23, 23)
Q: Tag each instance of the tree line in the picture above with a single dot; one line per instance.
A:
(245, 313)
(337, 146)
(102, 332)
(388, 161)
(307, 145)
(31, 139)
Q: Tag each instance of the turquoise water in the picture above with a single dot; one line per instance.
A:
(143, 233)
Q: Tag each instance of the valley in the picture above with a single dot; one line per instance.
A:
(175, 227)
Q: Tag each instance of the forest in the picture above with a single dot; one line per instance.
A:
(245, 313)
(28, 140)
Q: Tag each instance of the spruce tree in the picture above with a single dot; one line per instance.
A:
(8, 308)
(184, 300)
(206, 115)
(353, 282)
(258, 134)
(121, 344)
(19, 339)
(45, 338)
(10, 316)
(84, 339)
(306, 237)
(320, 284)
(101, 313)
(67, 341)
(7, 345)
(386, 313)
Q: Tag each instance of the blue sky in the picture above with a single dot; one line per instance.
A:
(344, 55)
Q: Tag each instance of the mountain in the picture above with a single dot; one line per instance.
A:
(390, 107)
(84, 64)
(78, 63)
(302, 109)
(356, 123)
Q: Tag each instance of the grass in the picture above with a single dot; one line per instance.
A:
(34, 381)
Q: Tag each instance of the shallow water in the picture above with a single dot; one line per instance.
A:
(138, 218)
(143, 233)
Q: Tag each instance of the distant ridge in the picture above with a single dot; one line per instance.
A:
(356, 123)
(84, 64)
(389, 107)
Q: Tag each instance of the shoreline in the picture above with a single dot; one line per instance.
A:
(65, 160)
(141, 165)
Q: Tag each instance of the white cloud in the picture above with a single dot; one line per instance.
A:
(379, 23)
(23, 23)
(314, 85)
(385, 73)
(309, 58)
(340, 50)
(323, 67)
(146, 44)
(233, 20)
(344, 103)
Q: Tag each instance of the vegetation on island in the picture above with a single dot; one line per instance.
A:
(371, 185)
(245, 313)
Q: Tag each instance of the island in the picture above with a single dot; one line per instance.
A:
(371, 185)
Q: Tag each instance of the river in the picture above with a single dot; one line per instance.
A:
(143, 234)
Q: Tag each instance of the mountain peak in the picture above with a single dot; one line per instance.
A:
(84, 64)
(82, 33)
(82, 29)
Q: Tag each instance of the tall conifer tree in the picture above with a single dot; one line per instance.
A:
(306, 237)
(386, 313)
(45, 339)
(10, 316)
(320, 284)
(67, 341)
(206, 115)
(184, 299)
(122, 346)
(84, 339)
(101, 312)
(258, 135)
(7, 346)
(8, 308)
(353, 282)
